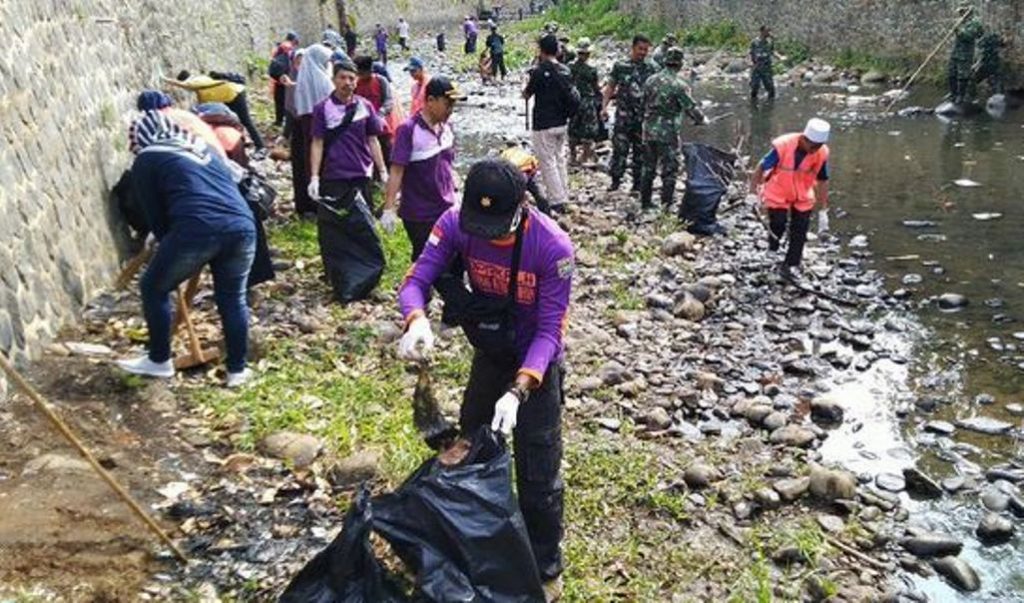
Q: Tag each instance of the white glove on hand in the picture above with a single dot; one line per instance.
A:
(389, 220)
(314, 187)
(418, 340)
(150, 243)
(505, 413)
(822, 221)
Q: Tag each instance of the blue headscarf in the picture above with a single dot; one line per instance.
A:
(153, 100)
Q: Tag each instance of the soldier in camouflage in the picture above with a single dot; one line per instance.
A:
(667, 42)
(990, 66)
(584, 127)
(762, 50)
(666, 99)
(961, 60)
(626, 84)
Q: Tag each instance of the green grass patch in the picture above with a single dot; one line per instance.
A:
(296, 239)
(865, 61)
(716, 34)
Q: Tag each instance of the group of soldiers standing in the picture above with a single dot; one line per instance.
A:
(964, 73)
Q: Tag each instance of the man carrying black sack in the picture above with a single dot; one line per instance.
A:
(343, 152)
(520, 267)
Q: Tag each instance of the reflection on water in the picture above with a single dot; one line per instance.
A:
(886, 171)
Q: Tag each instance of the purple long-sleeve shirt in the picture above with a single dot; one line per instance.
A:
(545, 281)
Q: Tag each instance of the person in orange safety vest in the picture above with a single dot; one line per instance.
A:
(791, 181)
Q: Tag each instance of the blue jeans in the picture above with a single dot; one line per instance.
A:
(179, 256)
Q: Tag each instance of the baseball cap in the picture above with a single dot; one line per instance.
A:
(415, 64)
(491, 198)
(439, 86)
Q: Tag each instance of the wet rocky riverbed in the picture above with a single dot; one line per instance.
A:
(930, 206)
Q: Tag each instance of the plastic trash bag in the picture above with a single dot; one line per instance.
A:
(708, 174)
(458, 527)
(351, 250)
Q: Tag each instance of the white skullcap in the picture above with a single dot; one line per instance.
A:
(817, 130)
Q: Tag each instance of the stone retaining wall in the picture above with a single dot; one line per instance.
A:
(885, 28)
(69, 74)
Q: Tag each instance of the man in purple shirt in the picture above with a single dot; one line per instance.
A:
(422, 166)
(471, 31)
(345, 148)
(381, 40)
(520, 266)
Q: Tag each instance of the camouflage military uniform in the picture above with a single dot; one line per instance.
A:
(761, 52)
(659, 52)
(629, 78)
(585, 125)
(666, 99)
(991, 67)
(961, 60)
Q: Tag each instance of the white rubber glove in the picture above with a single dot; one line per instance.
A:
(505, 413)
(314, 187)
(150, 243)
(389, 220)
(822, 221)
(418, 340)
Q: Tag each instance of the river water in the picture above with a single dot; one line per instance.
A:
(886, 170)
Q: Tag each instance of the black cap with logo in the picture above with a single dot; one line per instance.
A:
(493, 193)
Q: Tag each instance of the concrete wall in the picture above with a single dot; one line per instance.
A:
(893, 28)
(69, 73)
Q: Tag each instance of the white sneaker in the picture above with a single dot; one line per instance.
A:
(240, 378)
(144, 366)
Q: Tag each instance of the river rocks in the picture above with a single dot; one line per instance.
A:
(873, 77)
(56, 463)
(767, 498)
(826, 411)
(689, 307)
(756, 413)
(775, 420)
(657, 418)
(678, 243)
(793, 435)
(1015, 409)
(831, 523)
(297, 449)
(986, 425)
(736, 66)
(355, 469)
(958, 573)
(952, 301)
(995, 499)
(920, 484)
(791, 489)
(832, 484)
(932, 545)
(890, 482)
(609, 423)
(994, 529)
(1010, 474)
(612, 373)
(940, 427)
(699, 476)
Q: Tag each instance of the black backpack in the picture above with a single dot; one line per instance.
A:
(228, 76)
(279, 66)
(570, 97)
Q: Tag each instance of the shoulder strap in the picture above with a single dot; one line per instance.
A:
(517, 252)
(332, 135)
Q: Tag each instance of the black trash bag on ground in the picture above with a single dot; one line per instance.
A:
(458, 527)
(708, 174)
(351, 250)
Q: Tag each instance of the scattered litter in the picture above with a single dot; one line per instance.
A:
(173, 490)
(986, 216)
(894, 133)
(966, 183)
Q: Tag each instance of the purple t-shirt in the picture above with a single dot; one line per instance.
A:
(428, 188)
(381, 38)
(469, 28)
(349, 156)
(545, 280)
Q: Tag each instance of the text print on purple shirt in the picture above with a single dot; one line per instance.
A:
(428, 188)
(349, 157)
(545, 281)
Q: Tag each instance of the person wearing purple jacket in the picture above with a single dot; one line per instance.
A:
(520, 267)
(470, 31)
(380, 39)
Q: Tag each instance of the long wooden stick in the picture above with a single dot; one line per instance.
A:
(42, 406)
(928, 60)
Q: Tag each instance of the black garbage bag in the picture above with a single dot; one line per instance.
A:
(457, 527)
(351, 250)
(708, 174)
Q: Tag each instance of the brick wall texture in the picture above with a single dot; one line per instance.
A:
(887, 28)
(69, 74)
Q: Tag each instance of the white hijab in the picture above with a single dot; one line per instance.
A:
(314, 80)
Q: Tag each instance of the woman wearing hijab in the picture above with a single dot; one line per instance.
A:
(312, 85)
(195, 212)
